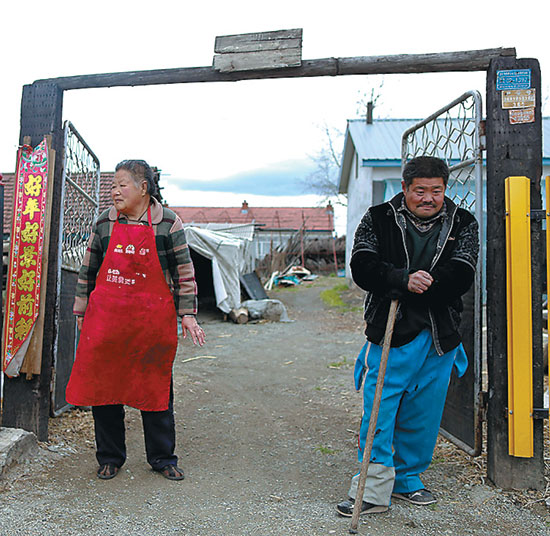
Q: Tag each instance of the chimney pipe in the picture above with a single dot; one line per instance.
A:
(370, 109)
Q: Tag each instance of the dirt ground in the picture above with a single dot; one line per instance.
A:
(267, 420)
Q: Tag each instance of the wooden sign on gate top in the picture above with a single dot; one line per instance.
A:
(254, 51)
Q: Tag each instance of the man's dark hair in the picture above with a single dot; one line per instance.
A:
(140, 171)
(428, 167)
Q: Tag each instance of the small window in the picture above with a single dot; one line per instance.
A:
(378, 188)
(356, 166)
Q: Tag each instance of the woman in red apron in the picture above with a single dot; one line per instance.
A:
(136, 279)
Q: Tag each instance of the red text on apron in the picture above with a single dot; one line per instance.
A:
(129, 337)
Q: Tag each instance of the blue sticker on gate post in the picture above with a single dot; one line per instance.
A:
(514, 79)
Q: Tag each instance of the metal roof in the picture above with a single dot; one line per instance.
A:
(380, 140)
(379, 144)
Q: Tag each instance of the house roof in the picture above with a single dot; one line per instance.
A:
(266, 218)
(380, 140)
(105, 201)
(9, 183)
(105, 183)
(379, 144)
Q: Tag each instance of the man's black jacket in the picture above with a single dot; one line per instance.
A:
(380, 265)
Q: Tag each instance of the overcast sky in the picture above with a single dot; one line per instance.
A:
(220, 143)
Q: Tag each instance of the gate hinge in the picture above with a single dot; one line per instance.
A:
(540, 413)
(482, 135)
(483, 402)
(538, 214)
(52, 381)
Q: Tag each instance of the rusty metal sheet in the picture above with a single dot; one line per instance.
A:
(518, 98)
(526, 115)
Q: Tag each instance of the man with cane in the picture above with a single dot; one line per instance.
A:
(420, 249)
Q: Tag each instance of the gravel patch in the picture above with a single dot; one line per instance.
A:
(267, 422)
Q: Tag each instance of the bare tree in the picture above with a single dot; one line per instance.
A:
(324, 179)
(370, 98)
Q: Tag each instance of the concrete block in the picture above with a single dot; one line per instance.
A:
(15, 446)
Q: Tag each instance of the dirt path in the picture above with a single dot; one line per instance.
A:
(267, 437)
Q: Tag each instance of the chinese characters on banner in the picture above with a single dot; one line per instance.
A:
(25, 264)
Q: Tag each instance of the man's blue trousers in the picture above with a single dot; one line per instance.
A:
(413, 398)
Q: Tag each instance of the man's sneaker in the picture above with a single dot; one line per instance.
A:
(345, 508)
(421, 497)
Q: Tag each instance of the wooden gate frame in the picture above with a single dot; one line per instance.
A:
(27, 401)
(512, 150)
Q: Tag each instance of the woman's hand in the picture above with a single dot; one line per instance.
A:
(189, 324)
(79, 322)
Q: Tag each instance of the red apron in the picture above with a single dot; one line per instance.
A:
(129, 337)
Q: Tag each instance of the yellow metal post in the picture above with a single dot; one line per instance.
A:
(519, 309)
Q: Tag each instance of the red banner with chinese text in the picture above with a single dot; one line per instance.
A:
(25, 264)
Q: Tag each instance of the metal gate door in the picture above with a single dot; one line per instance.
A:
(80, 204)
(454, 134)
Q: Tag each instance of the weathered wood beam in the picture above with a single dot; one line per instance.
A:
(252, 61)
(258, 51)
(469, 60)
(273, 44)
(253, 42)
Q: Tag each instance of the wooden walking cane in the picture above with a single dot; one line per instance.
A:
(373, 417)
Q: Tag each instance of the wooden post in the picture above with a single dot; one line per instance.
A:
(332, 227)
(512, 150)
(302, 240)
(27, 402)
(2, 262)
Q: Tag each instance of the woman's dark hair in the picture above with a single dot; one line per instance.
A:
(427, 167)
(140, 171)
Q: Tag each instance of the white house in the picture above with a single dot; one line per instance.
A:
(371, 166)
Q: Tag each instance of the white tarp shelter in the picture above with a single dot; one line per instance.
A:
(229, 255)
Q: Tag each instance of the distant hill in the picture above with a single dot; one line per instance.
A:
(283, 178)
